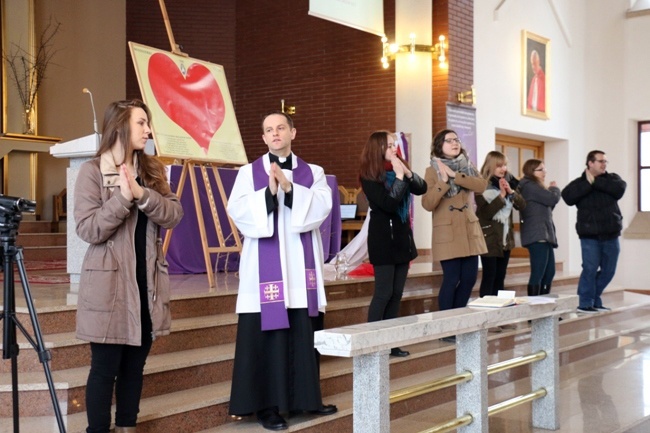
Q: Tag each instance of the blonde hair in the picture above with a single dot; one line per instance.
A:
(493, 160)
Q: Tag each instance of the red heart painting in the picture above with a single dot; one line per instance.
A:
(192, 99)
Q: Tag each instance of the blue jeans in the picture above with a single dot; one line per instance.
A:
(458, 279)
(542, 263)
(598, 267)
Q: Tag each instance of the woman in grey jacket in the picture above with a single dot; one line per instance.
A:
(537, 228)
(121, 199)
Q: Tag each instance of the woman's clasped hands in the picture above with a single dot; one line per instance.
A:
(128, 185)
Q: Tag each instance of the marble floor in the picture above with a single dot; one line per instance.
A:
(604, 393)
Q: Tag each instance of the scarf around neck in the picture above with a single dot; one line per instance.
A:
(460, 164)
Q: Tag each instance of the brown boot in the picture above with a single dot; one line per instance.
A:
(124, 429)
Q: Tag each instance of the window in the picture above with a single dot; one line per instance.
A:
(644, 166)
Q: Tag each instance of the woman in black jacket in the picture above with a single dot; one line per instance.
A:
(537, 228)
(388, 183)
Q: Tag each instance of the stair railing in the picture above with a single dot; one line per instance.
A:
(369, 345)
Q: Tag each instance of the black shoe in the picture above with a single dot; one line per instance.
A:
(602, 308)
(396, 351)
(450, 339)
(588, 310)
(270, 419)
(326, 409)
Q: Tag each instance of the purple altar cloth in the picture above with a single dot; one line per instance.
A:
(185, 253)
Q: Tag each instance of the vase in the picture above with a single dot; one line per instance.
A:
(29, 121)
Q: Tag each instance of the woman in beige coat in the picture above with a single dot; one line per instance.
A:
(457, 239)
(121, 199)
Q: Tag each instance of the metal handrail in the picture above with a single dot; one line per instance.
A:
(492, 410)
(434, 385)
(516, 401)
(516, 362)
(450, 425)
(455, 379)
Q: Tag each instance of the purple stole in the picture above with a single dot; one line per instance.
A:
(273, 311)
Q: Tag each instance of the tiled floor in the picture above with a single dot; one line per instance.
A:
(605, 393)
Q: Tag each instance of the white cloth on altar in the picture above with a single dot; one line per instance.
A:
(247, 208)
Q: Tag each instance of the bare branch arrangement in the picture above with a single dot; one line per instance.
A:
(27, 71)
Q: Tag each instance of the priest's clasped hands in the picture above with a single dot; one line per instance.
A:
(278, 179)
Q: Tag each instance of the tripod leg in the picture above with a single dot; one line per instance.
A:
(44, 355)
(9, 344)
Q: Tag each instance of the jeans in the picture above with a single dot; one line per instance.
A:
(494, 273)
(458, 279)
(119, 366)
(599, 260)
(389, 286)
(542, 263)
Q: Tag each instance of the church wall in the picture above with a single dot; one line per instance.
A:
(594, 80)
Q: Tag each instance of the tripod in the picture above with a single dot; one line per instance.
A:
(9, 344)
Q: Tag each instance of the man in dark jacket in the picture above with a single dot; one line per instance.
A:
(599, 224)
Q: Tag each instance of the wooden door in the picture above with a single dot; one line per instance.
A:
(518, 151)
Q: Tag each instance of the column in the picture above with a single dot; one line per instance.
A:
(370, 393)
(546, 373)
(472, 396)
(413, 97)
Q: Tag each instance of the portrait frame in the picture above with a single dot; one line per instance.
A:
(193, 117)
(535, 101)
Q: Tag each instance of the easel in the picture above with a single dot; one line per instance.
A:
(188, 167)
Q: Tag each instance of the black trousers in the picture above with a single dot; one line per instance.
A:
(389, 287)
(494, 273)
(115, 366)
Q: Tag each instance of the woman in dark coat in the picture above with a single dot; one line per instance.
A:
(537, 228)
(388, 183)
(494, 209)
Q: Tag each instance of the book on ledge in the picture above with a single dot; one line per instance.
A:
(491, 301)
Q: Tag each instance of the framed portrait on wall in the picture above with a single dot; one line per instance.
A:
(535, 75)
(192, 115)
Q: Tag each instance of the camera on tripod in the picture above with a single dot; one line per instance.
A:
(11, 213)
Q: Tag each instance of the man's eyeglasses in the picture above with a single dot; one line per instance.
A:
(540, 169)
(453, 140)
(602, 161)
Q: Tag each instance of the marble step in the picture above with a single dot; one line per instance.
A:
(165, 372)
(41, 239)
(190, 333)
(217, 328)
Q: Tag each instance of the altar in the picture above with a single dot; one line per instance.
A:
(185, 252)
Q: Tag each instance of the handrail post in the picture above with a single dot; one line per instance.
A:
(472, 396)
(546, 373)
(371, 393)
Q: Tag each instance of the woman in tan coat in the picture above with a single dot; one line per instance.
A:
(121, 199)
(457, 239)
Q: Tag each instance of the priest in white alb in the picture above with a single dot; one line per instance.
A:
(278, 203)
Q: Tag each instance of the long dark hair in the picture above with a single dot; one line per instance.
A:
(371, 165)
(439, 141)
(116, 126)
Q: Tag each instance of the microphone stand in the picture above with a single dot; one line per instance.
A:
(95, 128)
